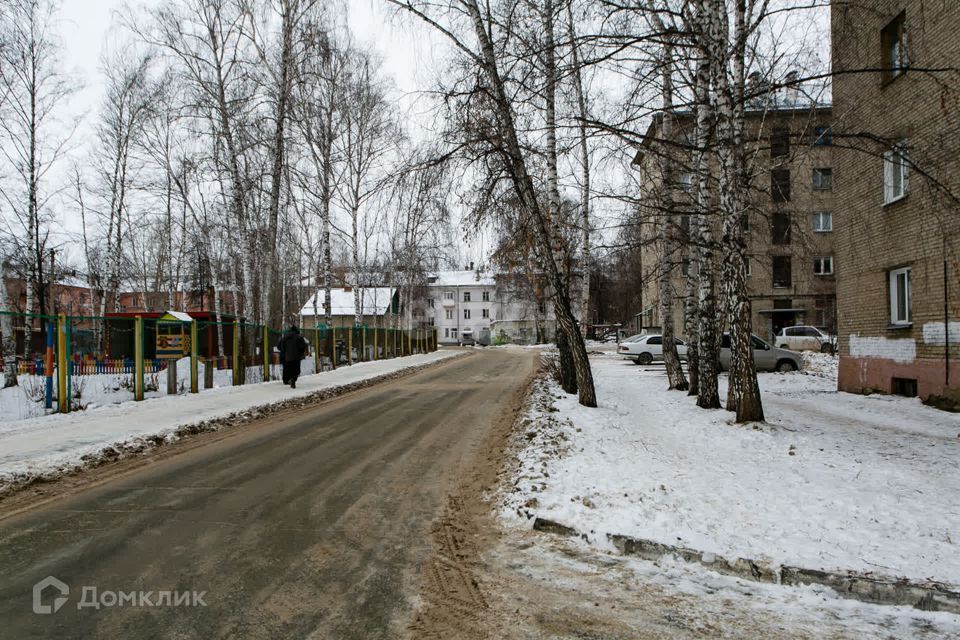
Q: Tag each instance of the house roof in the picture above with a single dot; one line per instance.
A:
(375, 301)
(462, 278)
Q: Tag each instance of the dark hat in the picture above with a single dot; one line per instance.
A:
(293, 329)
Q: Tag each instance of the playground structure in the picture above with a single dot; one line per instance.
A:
(146, 343)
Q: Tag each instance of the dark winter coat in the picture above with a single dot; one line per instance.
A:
(293, 346)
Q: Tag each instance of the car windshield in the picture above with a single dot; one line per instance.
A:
(758, 343)
(635, 338)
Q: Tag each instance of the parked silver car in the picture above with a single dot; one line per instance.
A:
(805, 338)
(644, 349)
(767, 357)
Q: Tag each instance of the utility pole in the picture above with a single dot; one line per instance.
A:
(53, 297)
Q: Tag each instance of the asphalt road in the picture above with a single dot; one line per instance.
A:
(311, 525)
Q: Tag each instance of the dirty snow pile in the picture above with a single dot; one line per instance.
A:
(52, 444)
(831, 481)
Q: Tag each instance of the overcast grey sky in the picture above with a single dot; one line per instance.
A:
(411, 54)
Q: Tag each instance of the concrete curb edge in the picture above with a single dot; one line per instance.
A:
(928, 596)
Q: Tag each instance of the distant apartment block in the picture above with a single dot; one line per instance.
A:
(789, 225)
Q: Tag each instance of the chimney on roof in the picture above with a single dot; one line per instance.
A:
(791, 91)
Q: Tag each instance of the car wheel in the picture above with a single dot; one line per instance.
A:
(644, 359)
(785, 366)
(827, 348)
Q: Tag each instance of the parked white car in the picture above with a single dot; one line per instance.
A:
(806, 338)
(644, 349)
(766, 357)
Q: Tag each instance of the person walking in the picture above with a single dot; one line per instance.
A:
(293, 348)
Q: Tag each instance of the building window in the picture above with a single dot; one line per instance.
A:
(746, 265)
(824, 137)
(686, 181)
(822, 179)
(486, 296)
(448, 295)
(486, 313)
(824, 313)
(466, 296)
(780, 142)
(430, 321)
(823, 265)
(782, 277)
(780, 185)
(430, 302)
(780, 228)
(449, 314)
(685, 226)
(895, 179)
(822, 221)
(685, 266)
(466, 314)
(900, 296)
(446, 332)
(893, 39)
(453, 332)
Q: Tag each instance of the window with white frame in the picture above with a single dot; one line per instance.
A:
(686, 181)
(449, 314)
(900, 296)
(466, 296)
(823, 265)
(453, 332)
(486, 313)
(822, 221)
(486, 296)
(446, 332)
(466, 314)
(895, 182)
(448, 295)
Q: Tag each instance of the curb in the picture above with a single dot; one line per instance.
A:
(928, 596)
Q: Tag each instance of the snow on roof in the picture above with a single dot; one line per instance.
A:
(462, 278)
(179, 315)
(374, 301)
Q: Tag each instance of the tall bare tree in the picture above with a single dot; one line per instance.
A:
(34, 90)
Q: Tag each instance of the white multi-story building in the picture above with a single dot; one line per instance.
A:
(461, 305)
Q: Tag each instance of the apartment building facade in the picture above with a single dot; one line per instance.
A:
(460, 304)
(897, 111)
(489, 307)
(789, 225)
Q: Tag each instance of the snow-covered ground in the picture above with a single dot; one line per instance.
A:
(48, 444)
(831, 481)
(91, 391)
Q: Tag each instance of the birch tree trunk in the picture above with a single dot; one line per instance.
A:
(8, 342)
(568, 378)
(667, 233)
(743, 395)
(708, 334)
(584, 176)
(523, 184)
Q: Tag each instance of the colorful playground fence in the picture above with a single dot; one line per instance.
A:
(124, 345)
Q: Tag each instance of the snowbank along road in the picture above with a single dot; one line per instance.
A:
(313, 524)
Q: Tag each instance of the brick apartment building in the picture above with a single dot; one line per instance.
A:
(789, 226)
(897, 166)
